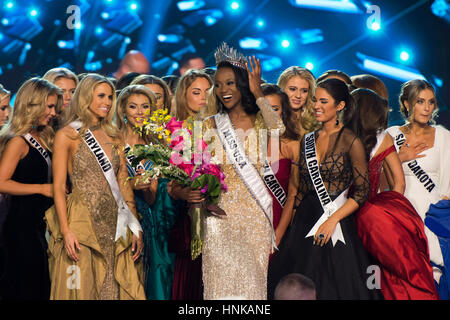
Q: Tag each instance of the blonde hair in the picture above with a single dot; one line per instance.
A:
(82, 99)
(308, 119)
(410, 92)
(122, 100)
(55, 74)
(4, 94)
(151, 79)
(187, 79)
(29, 105)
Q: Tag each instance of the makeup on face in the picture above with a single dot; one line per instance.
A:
(136, 108)
(159, 94)
(297, 90)
(196, 94)
(101, 101)
(226, 89)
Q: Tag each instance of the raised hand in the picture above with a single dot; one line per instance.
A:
(254, 77)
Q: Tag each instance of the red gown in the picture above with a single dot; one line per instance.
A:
(283, 173)
(393, 233)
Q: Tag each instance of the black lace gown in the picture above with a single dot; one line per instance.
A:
(339, 272)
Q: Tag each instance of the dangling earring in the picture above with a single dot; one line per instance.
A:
(337, 118)
(125, 119)
(337, 122)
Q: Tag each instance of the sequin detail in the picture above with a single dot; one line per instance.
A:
(237, 247)
(89, 181)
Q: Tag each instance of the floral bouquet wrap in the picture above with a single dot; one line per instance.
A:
(176, 154)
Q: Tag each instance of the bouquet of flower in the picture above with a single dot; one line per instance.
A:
(177, 155)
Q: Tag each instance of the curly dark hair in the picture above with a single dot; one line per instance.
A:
(242, 83)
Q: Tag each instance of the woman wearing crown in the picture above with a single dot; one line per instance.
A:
(237, 246)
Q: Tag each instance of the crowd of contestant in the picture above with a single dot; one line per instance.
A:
(360, 209)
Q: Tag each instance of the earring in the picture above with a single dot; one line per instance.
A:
(337, 122)
(125, 119)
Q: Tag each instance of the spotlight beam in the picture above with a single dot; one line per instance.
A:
(364, 36)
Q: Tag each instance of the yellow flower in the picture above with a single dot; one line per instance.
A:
(167, 132)
(159, 136)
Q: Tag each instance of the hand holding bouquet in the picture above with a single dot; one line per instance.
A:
(181, 157)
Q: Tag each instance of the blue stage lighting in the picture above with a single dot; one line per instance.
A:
(260, 23)
(169, 38)
(253, 43)
(78, 26)
(105, 15)
(213, 16)
(9, 5)
(190, 5)
(235, 5)
(388, 69)
(33, 12)
(98, 30)
(330, 5)
(440, 8)
(285, 43)
(309, 65)
(269, 63)
(438, 81)
(5, 21)
(404, 56)
(66, 44)
(133, 6)
(375, 26)
(309, 36)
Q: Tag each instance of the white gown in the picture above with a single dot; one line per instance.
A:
(436, 164)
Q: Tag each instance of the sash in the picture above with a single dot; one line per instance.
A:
(130, 159)
(272, 183)
(43, 153)
(246, 171)
(414, 165)
(125, 217)
(329, 206)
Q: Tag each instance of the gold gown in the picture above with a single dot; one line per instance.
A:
(236, 248)
(105, 269)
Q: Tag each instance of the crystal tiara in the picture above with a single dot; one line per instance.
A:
(228, 54)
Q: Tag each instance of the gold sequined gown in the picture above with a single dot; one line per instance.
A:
(105, 270)
(236, 248)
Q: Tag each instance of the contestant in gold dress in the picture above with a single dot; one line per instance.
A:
(86, 261)
(237, 247)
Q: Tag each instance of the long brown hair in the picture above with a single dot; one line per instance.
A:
(286, 111)
(370, 118)
(182, 109)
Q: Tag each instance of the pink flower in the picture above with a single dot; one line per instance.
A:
(174, 125)
(177, 143)
(201, 145)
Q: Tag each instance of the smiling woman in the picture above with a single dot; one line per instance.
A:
(239, 245)
(26, 143)
(86, 225)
